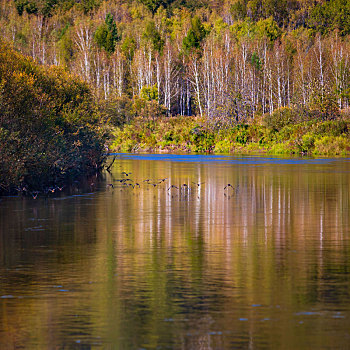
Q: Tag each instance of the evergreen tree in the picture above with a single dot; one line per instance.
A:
(194, 36)
(153, 5)
(106, 35)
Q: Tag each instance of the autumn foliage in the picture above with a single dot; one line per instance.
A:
(49, 130)
(232, 62)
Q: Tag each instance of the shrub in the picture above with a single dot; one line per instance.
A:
(116, 111)
(50, 130)
(284, 148)
(332, 128)
(308, 142)
(223, 146)
(280, 118)
(332, 145)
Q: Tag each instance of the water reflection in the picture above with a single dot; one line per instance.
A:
(262, 265)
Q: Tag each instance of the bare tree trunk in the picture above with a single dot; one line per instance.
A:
(83, 42)
(194, 78)
(319, 52)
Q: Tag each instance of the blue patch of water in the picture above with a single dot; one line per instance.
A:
(237, 160)
(36, 228)
(307, 313)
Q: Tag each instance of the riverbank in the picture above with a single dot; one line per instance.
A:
(50, 131)
(190, 134)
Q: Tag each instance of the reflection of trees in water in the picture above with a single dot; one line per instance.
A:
(248, 238)
(44, 244)
(27, 225)
(182, 266)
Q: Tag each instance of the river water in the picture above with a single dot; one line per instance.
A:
(261, 264)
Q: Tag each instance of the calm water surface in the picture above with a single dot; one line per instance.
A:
(265, 265)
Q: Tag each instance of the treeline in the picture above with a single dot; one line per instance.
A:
(228, 60)
(49, 129)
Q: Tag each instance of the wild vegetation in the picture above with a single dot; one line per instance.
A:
(276, 72)
(49, 131)
(191, 134)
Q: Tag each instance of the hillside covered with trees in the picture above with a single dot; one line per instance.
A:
(230, 62)
(230, 59)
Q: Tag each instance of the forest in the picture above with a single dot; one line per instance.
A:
(232, 64)
(232, 59)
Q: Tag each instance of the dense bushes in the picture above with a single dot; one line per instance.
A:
(197, 135)
(281, 118)
(49, 130)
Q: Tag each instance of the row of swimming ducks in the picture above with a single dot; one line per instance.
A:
(34, 194)
(128, 182)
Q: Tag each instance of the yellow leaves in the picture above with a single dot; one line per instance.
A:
(332, 145)
(220, 26)
(44, 113)
(77, 143)
(23, 79)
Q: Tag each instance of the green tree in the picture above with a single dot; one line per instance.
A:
(49, 130)
(269, 28)
(149, 93)
(128, 47)
(153, 5)
(112, 27)
(244, 28)
(239, 9)
(255, 61)
(65, 44)
(189, 4)
(106, 35)
(330, 15)
(152, 34)
(88, 6)
(44, 7)
(194, 36)
(26, 5)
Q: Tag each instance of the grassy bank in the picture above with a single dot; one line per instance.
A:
(189, 134)
(49, 129)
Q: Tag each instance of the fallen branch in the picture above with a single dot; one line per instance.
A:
(110, 165)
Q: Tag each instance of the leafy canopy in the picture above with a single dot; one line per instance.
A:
(153, 5)
(149, 93)
(194, 36)
(152, 34)
(106, 35)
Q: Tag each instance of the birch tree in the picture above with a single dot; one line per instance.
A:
(83, 40)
